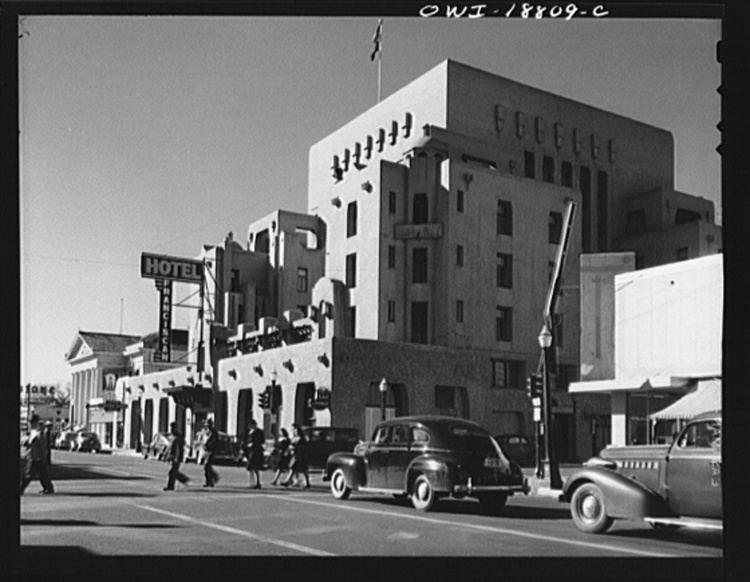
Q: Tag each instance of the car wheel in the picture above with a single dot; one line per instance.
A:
(339, 488)
(423, 495)
(493, 503)
(589, 510)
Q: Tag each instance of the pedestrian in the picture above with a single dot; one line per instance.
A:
(299, 460)
(36, 459)
(210, 447)
(48, 441)
(175, 455)
(281, 454)
(254, 452)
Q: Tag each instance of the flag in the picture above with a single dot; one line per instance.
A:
(376, 40)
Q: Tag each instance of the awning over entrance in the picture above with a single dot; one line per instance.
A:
(197, 398)
(706, 397)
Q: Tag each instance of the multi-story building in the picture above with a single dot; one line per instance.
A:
(417, 280)
(97, 360)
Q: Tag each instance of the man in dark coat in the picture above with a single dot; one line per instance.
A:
(174, 456)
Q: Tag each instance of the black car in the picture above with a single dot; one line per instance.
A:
(323, 441)
(426, 458)
(518, 448)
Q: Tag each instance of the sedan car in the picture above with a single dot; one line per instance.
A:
(518, 448)
(323, 441)
(66, 440)
(88, 441)
(158, 447)
(426, 458)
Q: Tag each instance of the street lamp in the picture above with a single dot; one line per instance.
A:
(383, 386)
(550, 466)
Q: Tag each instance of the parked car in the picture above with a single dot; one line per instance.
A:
(426, 458)
(229, 450)
(87, 441)
(665, 485)
(518, 448)
(158, 447)
(323, 441)
(66, 440)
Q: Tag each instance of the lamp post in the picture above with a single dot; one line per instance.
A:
(383, 386)
(550, 466)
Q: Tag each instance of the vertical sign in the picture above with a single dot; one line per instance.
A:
(163, 347)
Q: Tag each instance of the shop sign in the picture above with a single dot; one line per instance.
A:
(322, 399)
(163, 352)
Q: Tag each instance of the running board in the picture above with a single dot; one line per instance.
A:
(380, 490)
(693, 523)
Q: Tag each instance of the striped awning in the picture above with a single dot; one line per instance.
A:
(706, 397)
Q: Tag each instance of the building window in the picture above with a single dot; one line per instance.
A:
(555, 227)
(419, 265)
(682, 254)
(528, 164)
(391, 202)
(301, 279)
(351, 270)
(419, 311)
(391, 311)
(351, 322)
(585, 187)
(444, 397)
(420, 209)
(504, 271)
(504, 217)
(548, 169)
(602, 210)
(460, 201)
(391, 257)
(459, 311)
(566, 175)
(460, 256)
(351, 219)
(508, 373)
(520, 123)
(635, 221)
(504, 324)
(682, 216)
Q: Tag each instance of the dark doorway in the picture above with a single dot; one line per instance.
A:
(148, 421)
(244, 411)
(564, 436)
(164, 414)
(220, 411)
(303, 410)
(419, 322)
(135, 425)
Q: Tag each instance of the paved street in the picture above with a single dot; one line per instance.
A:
(113, 505)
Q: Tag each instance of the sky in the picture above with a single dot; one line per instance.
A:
(162, 133)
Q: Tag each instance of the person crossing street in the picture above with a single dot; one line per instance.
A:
(210, 447)
(35, 464)
(174, 457)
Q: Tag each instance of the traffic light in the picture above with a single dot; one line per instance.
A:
(534, 386)
(264, 400)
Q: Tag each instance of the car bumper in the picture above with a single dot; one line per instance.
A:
(471, 489)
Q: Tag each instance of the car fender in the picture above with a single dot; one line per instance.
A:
(624, 497)
(352, 465)
(435, 468)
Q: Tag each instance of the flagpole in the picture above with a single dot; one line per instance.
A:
(378, 51)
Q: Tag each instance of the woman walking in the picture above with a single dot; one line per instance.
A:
(281, 455)
(254, 452)
(299, 463)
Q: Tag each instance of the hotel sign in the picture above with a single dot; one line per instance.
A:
(163, 352)
(171, 268)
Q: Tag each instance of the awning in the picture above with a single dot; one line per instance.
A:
(196, 397)
(706, 397)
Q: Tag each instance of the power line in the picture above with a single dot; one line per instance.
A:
(79, 260)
